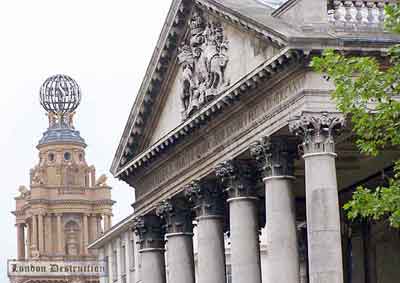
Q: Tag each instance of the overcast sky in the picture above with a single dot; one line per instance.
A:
(105, 46)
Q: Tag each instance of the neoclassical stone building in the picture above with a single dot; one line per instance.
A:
(233, 131)
(65, 206)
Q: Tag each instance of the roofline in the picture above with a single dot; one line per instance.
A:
(284, 7)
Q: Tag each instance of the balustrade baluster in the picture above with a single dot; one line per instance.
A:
(348, 5)
(337, 16)
(359, 6)
(370, 5)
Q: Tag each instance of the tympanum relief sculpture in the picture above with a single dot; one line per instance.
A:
(203, 60)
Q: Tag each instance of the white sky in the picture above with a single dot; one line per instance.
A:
(105, 46)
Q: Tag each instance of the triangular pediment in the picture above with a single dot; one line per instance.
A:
(215, 48)
(213, 55)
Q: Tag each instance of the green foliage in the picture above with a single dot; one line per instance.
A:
(365, 91)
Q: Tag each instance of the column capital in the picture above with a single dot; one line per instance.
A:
(205, 197)
(177, 216)
(149, 230)
(274, 155)
(318, 130)
(238, 178)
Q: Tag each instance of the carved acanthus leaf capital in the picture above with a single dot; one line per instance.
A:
(149, 230)
(238, 178)
(318, 130)
(206, 198)
(177, 216)
(274, 155)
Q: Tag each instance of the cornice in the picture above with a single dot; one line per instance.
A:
(231, 96)
(72, 201)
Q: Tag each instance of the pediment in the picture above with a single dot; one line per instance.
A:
(213, 55)
(214, 50)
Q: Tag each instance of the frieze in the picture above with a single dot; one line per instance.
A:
(220, 136)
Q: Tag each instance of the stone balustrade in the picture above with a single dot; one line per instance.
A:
(358, 14)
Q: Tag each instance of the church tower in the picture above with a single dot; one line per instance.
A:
(65, 206)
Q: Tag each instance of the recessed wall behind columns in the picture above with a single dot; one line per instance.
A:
(118, 250)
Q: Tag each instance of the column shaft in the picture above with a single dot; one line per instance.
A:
(41, 234)
(60, 235)
(34, 233)
(85, 233)
(28, 240)
(211, 249)
(283, 257)
(99, 226)
(153, 266)
(245, 243)
(21, 241)
(107, 224)
(323, 219)
(49, 234)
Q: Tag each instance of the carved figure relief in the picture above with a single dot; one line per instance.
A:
(203, 61)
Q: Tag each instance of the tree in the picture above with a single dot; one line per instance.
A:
(365, 92)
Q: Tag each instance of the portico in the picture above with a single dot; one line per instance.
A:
(249, 141)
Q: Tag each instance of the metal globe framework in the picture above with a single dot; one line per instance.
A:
(60, 94)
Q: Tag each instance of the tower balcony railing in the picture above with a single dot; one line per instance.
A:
(358, 15)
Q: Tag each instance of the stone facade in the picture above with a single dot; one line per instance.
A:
(66, 205)
(232, 123)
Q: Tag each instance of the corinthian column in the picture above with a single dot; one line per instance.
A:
(323, 220)
(151, 239)
(178, 219)
(209, 206)
(239, 182)
(275, 158)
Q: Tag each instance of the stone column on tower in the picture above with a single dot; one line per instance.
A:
(323, 219)
(208, 203)
(34, 233)
(238, 180)
(21, 240)
(151, 239)
(41, 232)
(28, 239)
(85, 233)
(179, 233)
(49, 234)
(99, 226)
(275, 157)
(60, 235)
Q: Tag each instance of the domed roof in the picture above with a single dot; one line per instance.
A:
(61, 134)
